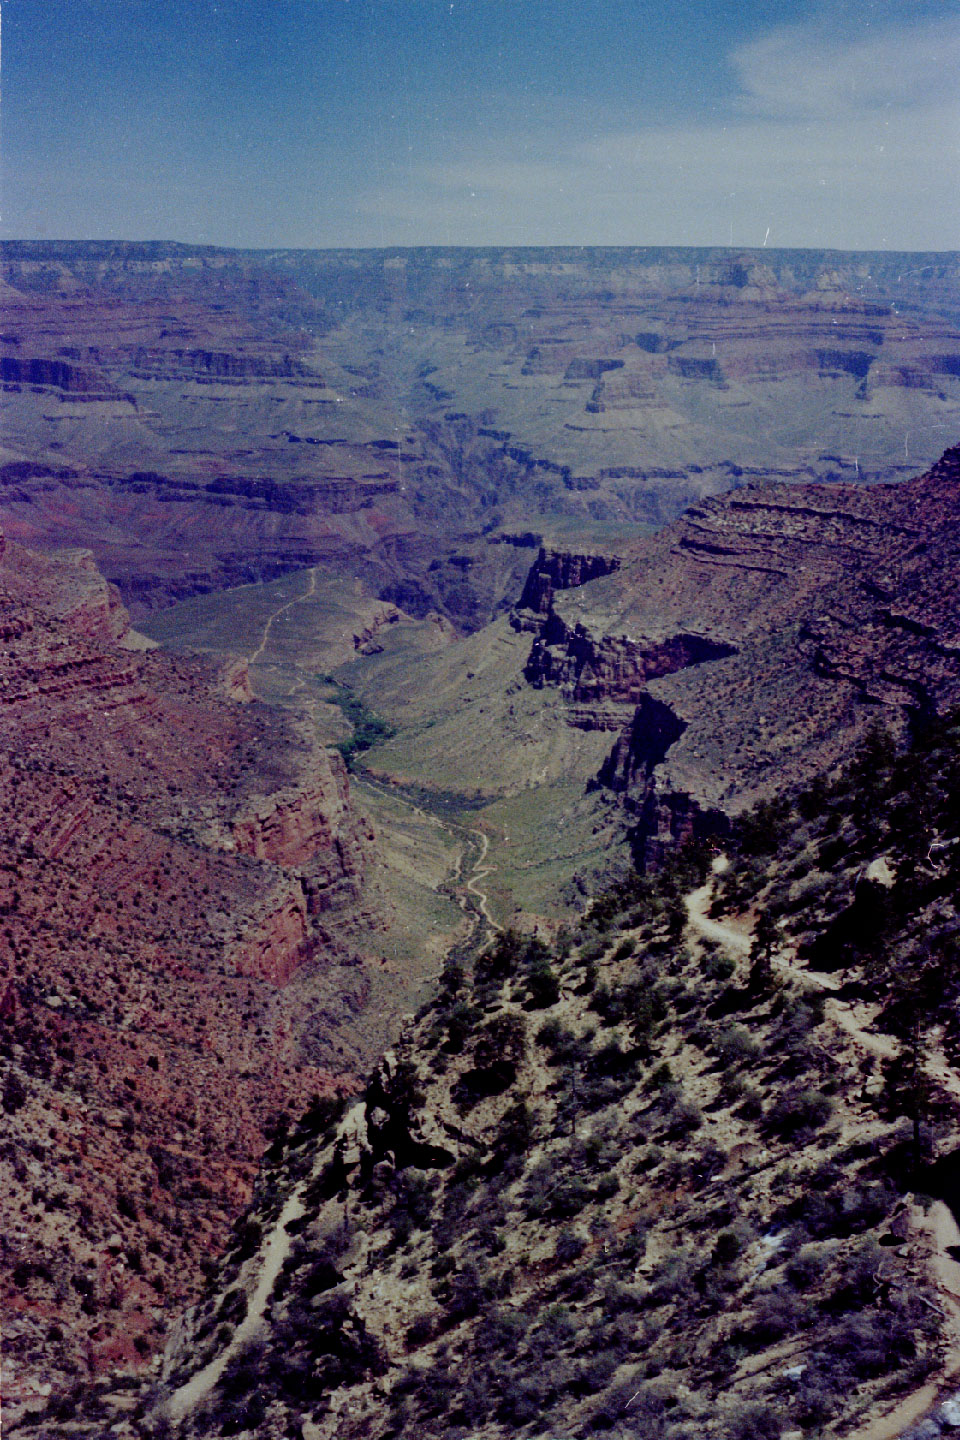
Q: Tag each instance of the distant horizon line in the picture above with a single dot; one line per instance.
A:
(506, 246)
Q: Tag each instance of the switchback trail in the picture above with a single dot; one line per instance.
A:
(480, 871)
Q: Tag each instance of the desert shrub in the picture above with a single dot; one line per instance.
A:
(550, 1191)
(555, 1331)
(502, 960)
(319, 1275)
(727, 1248)
(498, 1050)
(815, 1400)
(807, 1266)
(640, 1004)
(734, 1045)
(871, 1344)
(322, 1114)
(607, 1186)
(594, 1374)
(516, 1130)
(540, 980)
(420, 1330)
(552, 1034)
(610, 1060)
(684, 1117)
(415, 1192)
(14, 1095)
(477, 1400)
(777, 1313)
(566, 1048)
(671, 1279)
(798, 1110)
(463, 1295)
(568, 1246)
(499, 1333)
(714, 965)
(760, 831)
(458, 1023)
(865, 1204)
(592, 950)
(857, 1279)
(521, 1401)
(753, 1421)
(249, 1235)
(841, 1210)
(603, 1003)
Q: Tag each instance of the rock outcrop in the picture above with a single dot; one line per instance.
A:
(555, 570)
(757, 637)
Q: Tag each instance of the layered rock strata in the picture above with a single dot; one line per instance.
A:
(756, 638)
(171, 861)
(204, 418)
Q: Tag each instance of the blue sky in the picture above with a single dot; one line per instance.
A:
(483, 122)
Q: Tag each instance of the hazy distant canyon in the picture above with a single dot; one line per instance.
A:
(202, 418)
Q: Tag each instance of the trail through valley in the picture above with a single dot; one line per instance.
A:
(281, 610)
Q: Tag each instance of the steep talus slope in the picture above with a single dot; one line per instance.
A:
(174, 855)
(666, 1180)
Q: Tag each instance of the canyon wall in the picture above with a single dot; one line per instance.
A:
(203, 418)
(174, 865)
(748, 646)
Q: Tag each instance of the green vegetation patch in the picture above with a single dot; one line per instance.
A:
(368, 728)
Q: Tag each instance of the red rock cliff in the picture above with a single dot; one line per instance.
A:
(166, 985)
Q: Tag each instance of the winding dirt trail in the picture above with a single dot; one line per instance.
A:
(854, 1018)
(275, 1252)
(480, 871)
(732, 937)
(944, 1236)
(478, 914)
(280, 610)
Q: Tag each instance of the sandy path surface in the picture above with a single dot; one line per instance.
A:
(480, 870)
(732, 937)
(944, 1233)
(277, 1248)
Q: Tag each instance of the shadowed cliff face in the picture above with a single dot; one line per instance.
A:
(204, 418)
(171, 861)
(555, 570)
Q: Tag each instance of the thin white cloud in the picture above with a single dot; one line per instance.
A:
(850, 145)
(808, 72)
